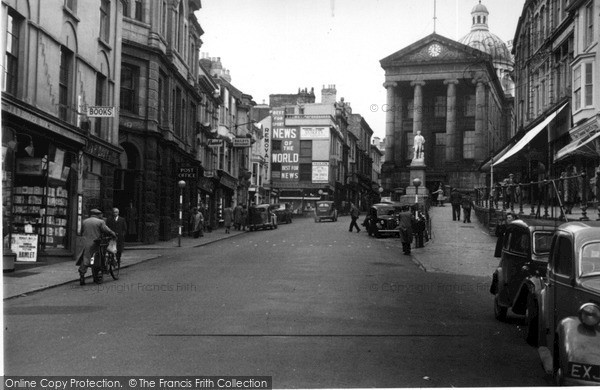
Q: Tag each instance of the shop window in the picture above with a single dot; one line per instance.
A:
(42, 194)
(11, 58)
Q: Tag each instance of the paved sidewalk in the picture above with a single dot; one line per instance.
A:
(28, 278)
(457, 247)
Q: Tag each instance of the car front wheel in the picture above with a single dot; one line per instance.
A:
(531, 321)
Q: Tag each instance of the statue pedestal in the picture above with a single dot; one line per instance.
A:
(417, 170)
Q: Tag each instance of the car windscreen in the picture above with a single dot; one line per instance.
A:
(385, 211)
(589, 261)
(541, 242)
(324, 206)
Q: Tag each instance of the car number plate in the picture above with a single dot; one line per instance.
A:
(586, 372)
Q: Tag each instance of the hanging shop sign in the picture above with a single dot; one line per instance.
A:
(214, 143)
(25, 246)
(241, 142)
(30, 166)
(100, 111)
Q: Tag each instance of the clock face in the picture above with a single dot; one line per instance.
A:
(434, 50)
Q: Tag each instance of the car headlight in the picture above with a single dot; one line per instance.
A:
(589, 314)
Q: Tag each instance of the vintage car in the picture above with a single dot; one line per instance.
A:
(261, 217)
(283, 212)
(569, 326)
(382, 219)
(523, 250)
(325, 210)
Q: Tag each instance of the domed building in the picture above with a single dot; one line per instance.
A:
(454, 94)
(481, 38)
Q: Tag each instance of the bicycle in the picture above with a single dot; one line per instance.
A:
(108, 263)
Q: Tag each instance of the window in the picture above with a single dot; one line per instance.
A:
(289, 111)
(440, 106)
(439, 151)
(126, 11)
(276, 145)
(178, 109)
(105, 20)
(128, 88)
(563, 257)
(410, 109)
(589, 24)
(520, 242)
(11, 58)
(305, 172)
(163, 24)
(306, 148)
(469, 107)
(161, 107)
(139, 10)
(100, 101)
(180, 19)
(71, 5)
(469, 144)
(410, 139)
(583, 85)
(64, 83)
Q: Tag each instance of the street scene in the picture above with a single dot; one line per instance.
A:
(309, 194)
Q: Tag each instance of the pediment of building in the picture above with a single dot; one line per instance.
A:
(434, 49)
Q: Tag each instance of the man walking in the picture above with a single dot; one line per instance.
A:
(466, 206)
(354, 214)
(455, 201)
(118, 225)
(92, 229)
(406, 229)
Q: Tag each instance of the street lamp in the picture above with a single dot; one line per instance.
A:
(416, 183)
(181, 185)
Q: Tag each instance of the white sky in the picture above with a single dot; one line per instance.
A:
(278, 46)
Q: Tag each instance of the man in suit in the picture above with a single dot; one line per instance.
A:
(118, 225)
(92, 229)
(407, 220)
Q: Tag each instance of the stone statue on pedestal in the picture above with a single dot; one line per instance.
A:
(419, 141)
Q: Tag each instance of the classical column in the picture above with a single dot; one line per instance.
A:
(451, 134)
(399, 141)
(390, 120)
(480, 148)
(418, 105)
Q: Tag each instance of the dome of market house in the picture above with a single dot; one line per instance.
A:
(481, 38)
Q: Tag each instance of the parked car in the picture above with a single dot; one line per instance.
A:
(524, 250)
(325, 210)
(261, 217)
(283, 212)
(569, 329)
(382, 219)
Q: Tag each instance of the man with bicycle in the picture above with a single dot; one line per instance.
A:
(93, 228)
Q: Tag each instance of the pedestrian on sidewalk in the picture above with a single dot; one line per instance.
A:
(118, 225)
(227, 218)
(405, 227)
(354, 214)
(466, 204)
(197, 220)
(237, 216)
(455, 201)
(419, 221)
(92, 229)
(244, 217)
(500, 230)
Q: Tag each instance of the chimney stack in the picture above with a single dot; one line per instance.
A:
(329, 94)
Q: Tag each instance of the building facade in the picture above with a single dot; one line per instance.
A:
(308, 151)
(453, 94)
(159, 105)
(557, 104)
(62, 58)
(360, 187)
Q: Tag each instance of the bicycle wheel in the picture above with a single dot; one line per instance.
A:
(114, 266)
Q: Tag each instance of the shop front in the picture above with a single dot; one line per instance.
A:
(40, 186)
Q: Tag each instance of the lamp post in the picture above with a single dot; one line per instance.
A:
(416, 183)
(181, 185)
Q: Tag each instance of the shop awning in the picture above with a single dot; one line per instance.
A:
(529, 136)
(488, 164)
(582, 146)
(299, 198)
